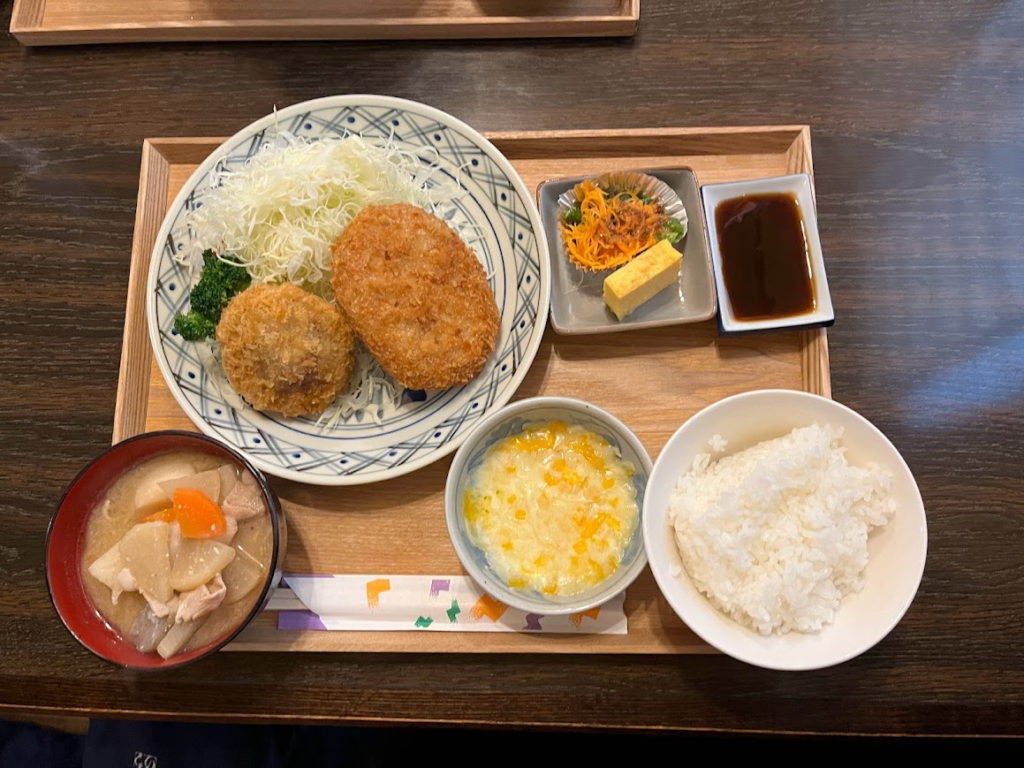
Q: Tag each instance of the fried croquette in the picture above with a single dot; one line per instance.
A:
(285, 349)
(416, 295)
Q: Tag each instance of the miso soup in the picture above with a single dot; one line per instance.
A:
(178, 551)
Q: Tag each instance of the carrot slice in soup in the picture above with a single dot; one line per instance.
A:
(196, 513)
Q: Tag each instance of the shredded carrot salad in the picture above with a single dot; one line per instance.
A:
(607, 229)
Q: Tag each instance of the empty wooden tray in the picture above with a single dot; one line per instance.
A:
(69, 22)
(652, 379)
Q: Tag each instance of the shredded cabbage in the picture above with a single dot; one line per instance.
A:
(370, 388)
(279, 213)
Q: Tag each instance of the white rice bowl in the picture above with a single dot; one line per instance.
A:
(824, 604)
(777, 534)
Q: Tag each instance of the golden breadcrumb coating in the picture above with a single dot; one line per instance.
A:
(285, 349)
(416, 295)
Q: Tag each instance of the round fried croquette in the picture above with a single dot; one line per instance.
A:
(285, 349)
(416, 295)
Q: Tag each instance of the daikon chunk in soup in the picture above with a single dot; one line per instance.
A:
(177, 552)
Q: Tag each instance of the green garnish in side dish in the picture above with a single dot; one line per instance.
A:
(674, 229)
(574, 215)
(219, 282)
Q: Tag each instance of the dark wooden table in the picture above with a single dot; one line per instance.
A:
(917, 112)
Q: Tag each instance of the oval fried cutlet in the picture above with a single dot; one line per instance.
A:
(285, 349)
(416, 295)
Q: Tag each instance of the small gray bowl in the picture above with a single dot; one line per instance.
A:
(508, 421)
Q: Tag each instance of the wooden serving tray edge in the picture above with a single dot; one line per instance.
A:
(158, 156)
(30, 27)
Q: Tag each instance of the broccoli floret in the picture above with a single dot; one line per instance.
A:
(232, 275)
(193, 326)
(218, 283)
(209, 299)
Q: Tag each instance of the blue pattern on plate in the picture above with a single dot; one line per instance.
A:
(427, 425)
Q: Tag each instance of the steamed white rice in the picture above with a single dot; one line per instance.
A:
(776, 535)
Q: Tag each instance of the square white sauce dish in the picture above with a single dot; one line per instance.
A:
(768, 264)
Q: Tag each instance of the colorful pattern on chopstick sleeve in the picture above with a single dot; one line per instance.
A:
(421, 603)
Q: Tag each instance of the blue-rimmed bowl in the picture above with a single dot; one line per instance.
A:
(426, 425)
(509, 421)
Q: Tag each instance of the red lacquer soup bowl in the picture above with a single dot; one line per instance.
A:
(65, 545)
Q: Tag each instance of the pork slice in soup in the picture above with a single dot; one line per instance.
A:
(177, 552)
(244, 501)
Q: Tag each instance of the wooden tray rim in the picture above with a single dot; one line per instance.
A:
(158, 155)
(29, 27)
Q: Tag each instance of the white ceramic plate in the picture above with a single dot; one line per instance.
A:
(426, 425)
(896, 552)
(798, 185)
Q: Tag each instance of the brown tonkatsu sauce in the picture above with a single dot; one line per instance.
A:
(765, 262)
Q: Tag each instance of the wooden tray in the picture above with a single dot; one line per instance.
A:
(70, 22)
(653, 380)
